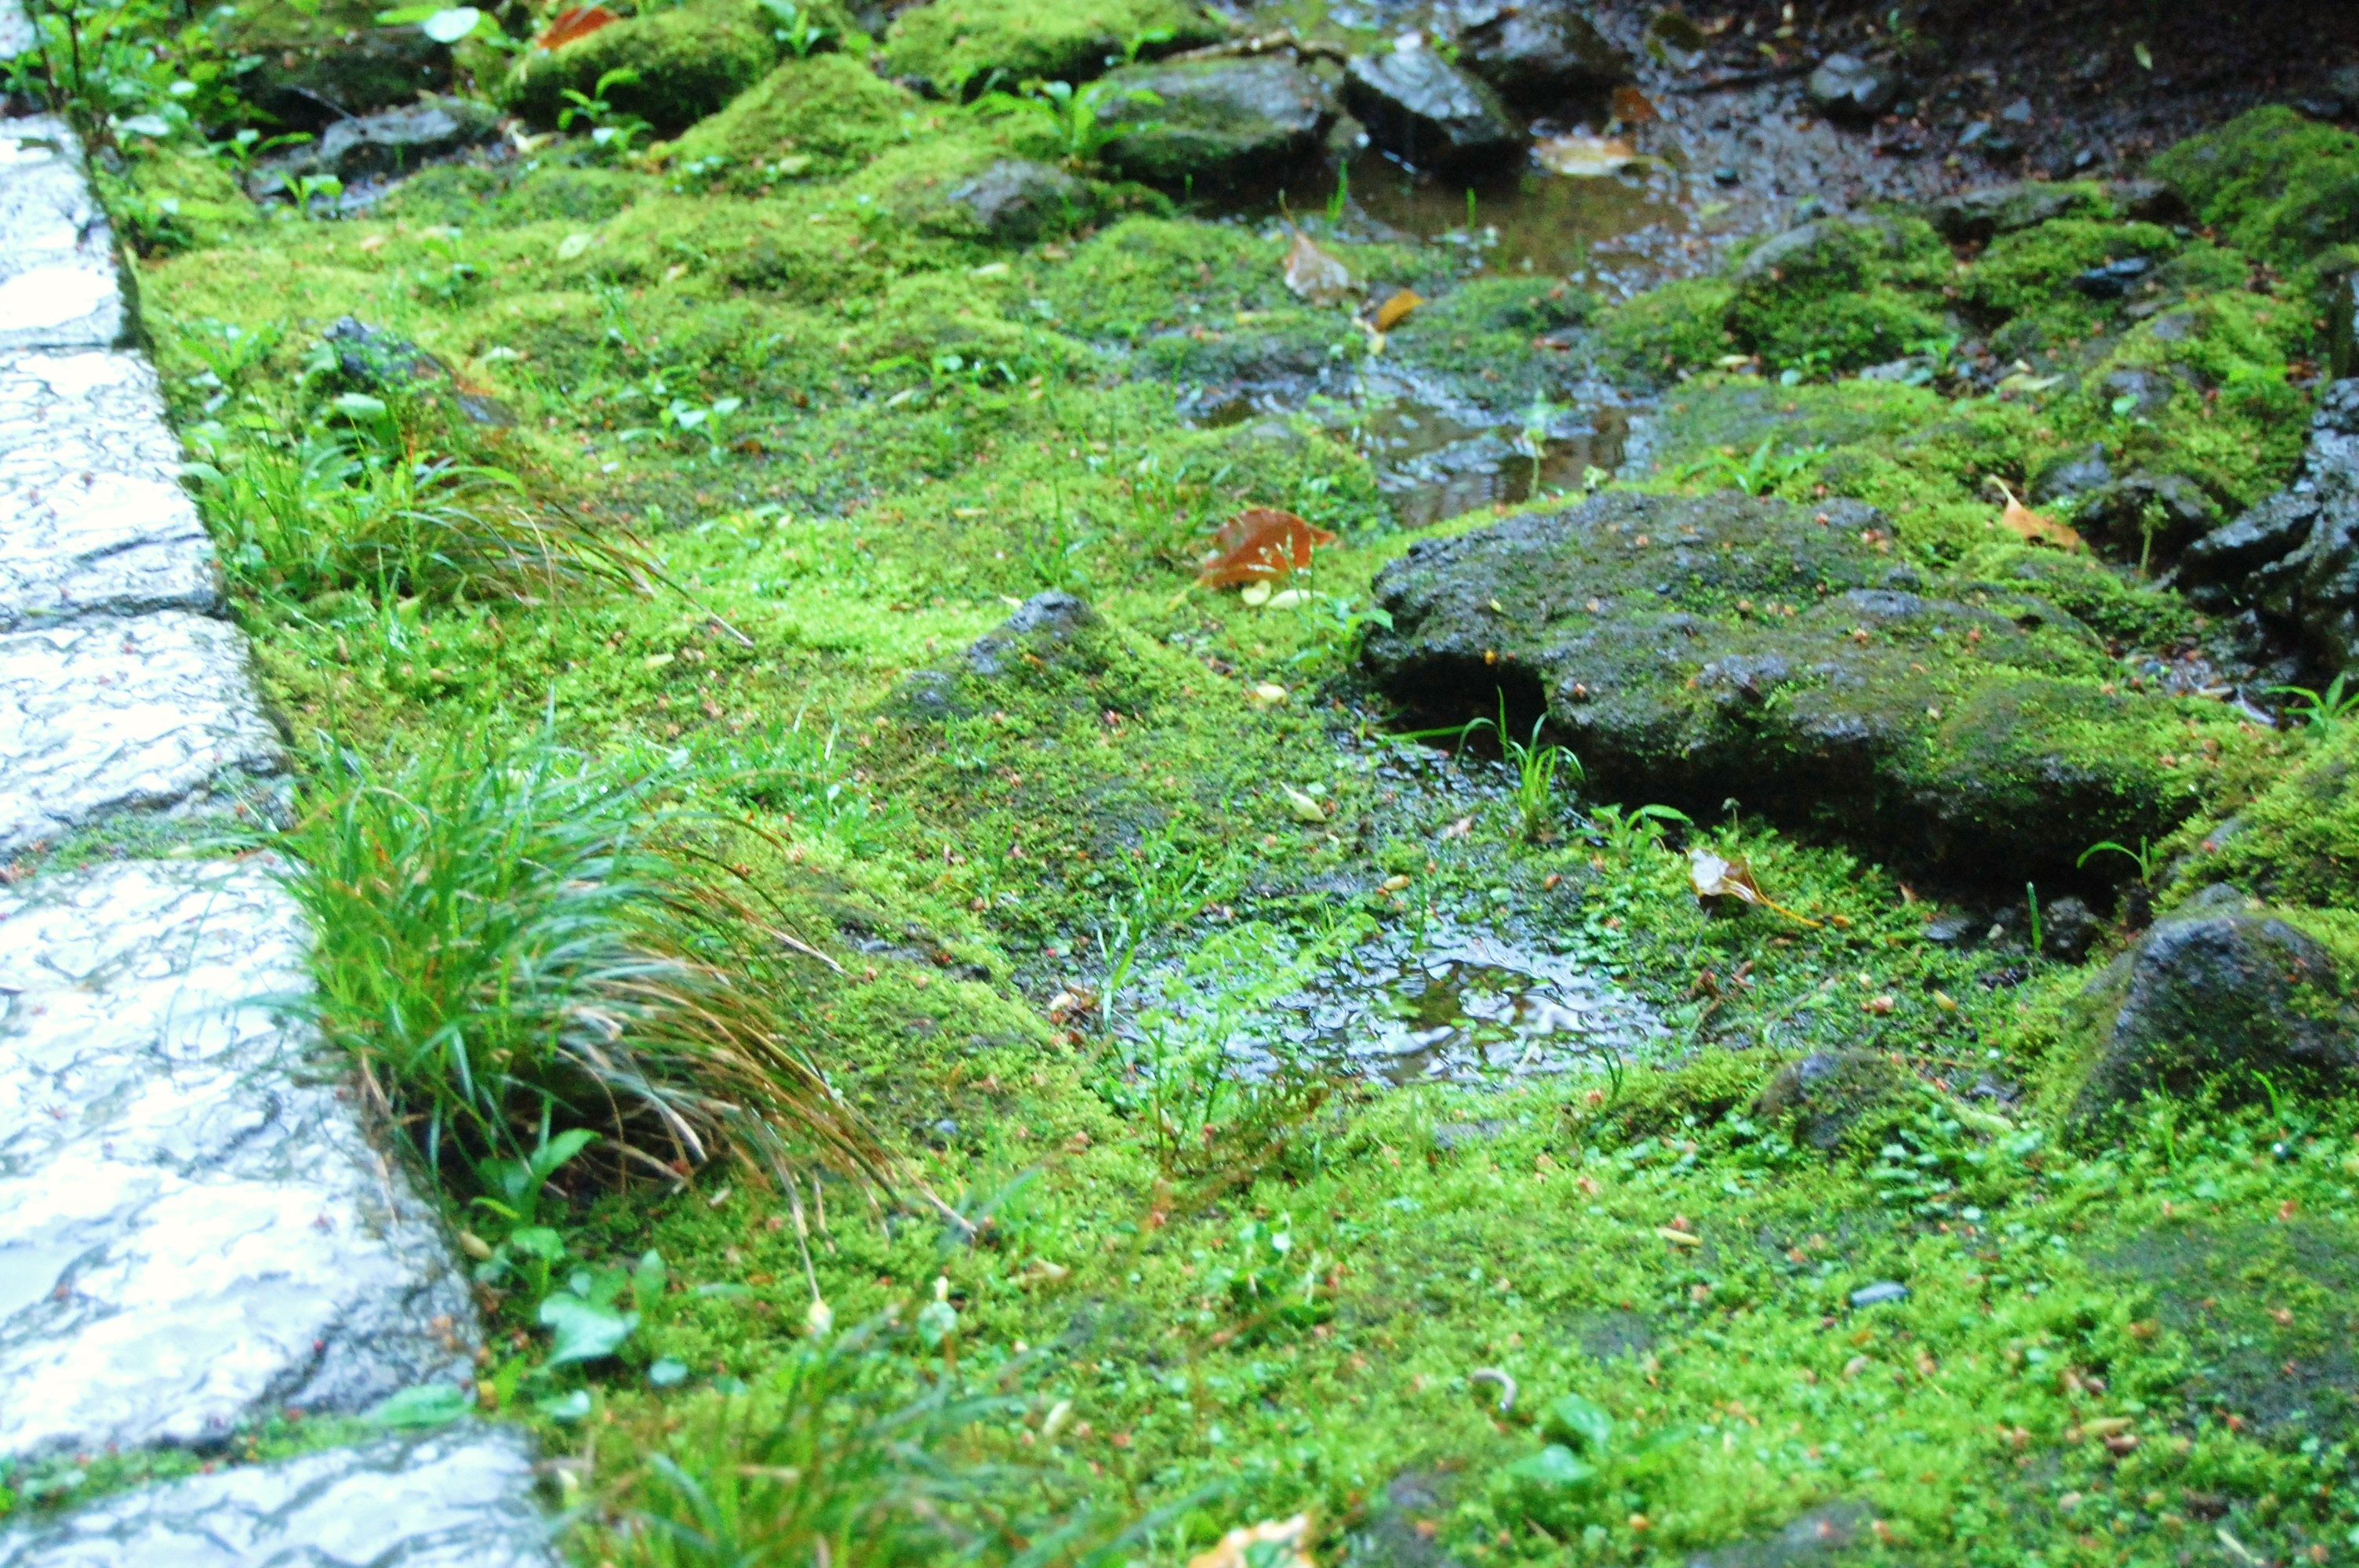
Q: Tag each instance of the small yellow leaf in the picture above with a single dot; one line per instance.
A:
(1679, 1237)
(1395, 310)
(2034, 527)
(1304, 808)
(1268, 694)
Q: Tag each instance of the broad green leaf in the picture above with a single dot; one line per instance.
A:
(583, 1332)
(1580, 1423)
(449, 27)
(429, 1404)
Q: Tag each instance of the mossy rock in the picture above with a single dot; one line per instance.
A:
(960, 48)
(2217, 996)
(1841, 294)
(315, 65)
(2277, 186)
(818, 118)
(690, 60)
(1695, 649)
(2298, 840)
(1680, 326)
(1215, 121)
(1820, 1100)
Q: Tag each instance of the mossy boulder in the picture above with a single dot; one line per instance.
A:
(2217, 996)
(318, 65)
(818, 118)
(2277, 186)
(1012, 202)
(1980, 215)
(1216, 120)
(1819, 1099)
(1840, 294)
(690, 60)
(960, 48)
(1681, 323)
(1694, 649)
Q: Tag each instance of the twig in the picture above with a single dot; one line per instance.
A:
(1507, 1389)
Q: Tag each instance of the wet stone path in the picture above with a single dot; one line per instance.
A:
(196, 1233)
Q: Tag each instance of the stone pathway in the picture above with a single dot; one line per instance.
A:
(195, 1232)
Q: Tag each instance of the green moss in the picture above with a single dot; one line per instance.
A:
(1489, 325)
(463, 195)
(1838, 296)
(963, 46)
(2032, 272)
(690, 60)
(809, 119)
(168, 202)
(2118, 608)
(1680, 326)
(2298, 840)
(2277, 186)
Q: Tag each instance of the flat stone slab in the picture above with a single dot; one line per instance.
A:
(105, 715)
(58, 286)
(192, 1228)
(95, 517)
(16, 32)
(461, 1498)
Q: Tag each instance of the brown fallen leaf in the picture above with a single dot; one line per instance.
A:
(1258, 544)
(1395, 310)
(1715, 877)
(2035, 527)
(574, 22)
(1283, 1541)
(1633, 107)
(1313, 274)
(1582, 156)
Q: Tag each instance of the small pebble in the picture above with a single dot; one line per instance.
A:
(1879, 1293)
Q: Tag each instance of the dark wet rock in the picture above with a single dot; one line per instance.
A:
(395, 141)
(1392, 1537)
(2342, 327)
(1846, 87)
(2154, 516)
(2067, 927)
(1218, 119)
(1016, 200)
(1695, 648)
(2295, 558)
(369, 358)
(1450, 1137)
(313, 84)
(1542, 53)
(1822, 1096)
(1047, 628)
(1827, 1531)
(2214, 993)
(2149, 390)
(2116, 278)
(1427, 110)
(1980, 215)
(2075, 473)
(1954, 928)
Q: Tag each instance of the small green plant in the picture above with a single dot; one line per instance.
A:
(2031, 898)
(1074, 122)
(315, 195)
(612, 132)
(2143, 857)
(1536, 767)
(1626, 835)
(795, 27)
(1766, 472)
(2320, 710)
(1340, 201)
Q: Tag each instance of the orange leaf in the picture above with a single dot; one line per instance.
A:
(1578, 155)
(2035, 527)
(575, 22)
(1633, 107)
(1313, 274)
(1395, 310)
(1715, 877)
(1258, 544)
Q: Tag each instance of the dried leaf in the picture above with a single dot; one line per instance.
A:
(2035, 527)
(1633, 107)
(1289, 1536)
(1313, 274)
(573, 23)
(1258, 544)
(1395, 310)
(1715, 877)
(1584, 156)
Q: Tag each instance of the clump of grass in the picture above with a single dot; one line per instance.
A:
(512, 941)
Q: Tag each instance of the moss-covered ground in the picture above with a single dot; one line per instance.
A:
(854, 430)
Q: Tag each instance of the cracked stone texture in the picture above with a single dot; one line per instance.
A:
(104, 715)
(58, 286)
(95, 517)
(193, 1230)
(460, 1498)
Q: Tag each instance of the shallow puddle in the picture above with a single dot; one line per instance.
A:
(1461, 1007)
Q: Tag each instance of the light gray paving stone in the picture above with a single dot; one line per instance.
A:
(93, 517)
(59, 285)
(16, 31)
(192, 1228)
(106, 715)
(460, 1498)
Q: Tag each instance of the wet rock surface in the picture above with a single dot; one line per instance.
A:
(99, 716)
(2215, 993)
(1217, 119)
(1694, 649)
(1849, 88)
(460, 1498)
(2293, 561)
(1428, 111)
(192, 1230)
(1822, 1096)
(58, 281)
(1546, 55)
(89, 482)
(1017, 200)
(395, 141)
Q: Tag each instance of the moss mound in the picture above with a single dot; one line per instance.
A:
(690, 60)
(818, 118)
(2276, 185)
(962, 47)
